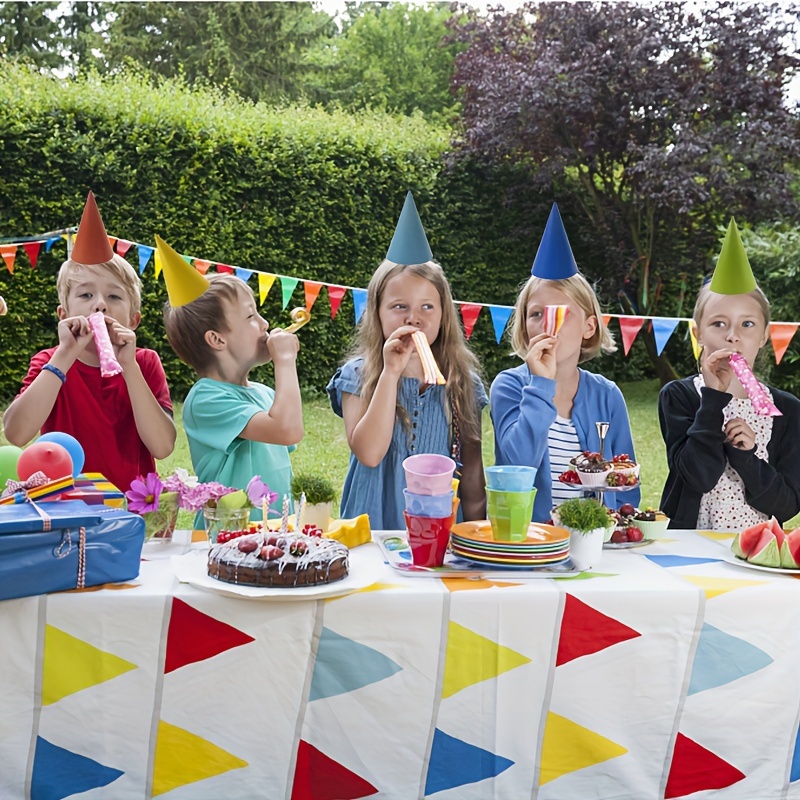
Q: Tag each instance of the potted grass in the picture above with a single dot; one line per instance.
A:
(320, 495)
(587, 521)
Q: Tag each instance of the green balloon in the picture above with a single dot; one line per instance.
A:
(9, 455)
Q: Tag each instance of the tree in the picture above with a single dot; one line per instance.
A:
(30, 31)
(392, 57)
(255, 49)
(658, 121)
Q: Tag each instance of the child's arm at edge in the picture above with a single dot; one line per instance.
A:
(153, 424)
(472, 487)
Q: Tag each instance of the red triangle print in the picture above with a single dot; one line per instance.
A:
(584, 631)
(695, 769)
(194, 636)
(318, 777)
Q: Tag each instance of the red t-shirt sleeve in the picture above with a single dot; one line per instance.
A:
(35, 367)
(154, 375)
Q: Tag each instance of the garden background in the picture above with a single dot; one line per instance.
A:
(274, 139)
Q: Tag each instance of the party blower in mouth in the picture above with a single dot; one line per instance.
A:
(299, 318)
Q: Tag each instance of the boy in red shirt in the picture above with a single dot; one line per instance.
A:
(123, 422)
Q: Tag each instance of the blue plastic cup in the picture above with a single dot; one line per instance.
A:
(436, 506)
(510, 478)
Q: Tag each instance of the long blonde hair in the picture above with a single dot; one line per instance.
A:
(456, 361)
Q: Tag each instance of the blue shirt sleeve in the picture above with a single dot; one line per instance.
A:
(345, 379)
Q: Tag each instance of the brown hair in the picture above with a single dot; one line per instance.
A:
(577, 288)
(187, 325)
(121, 269)
(456, 361)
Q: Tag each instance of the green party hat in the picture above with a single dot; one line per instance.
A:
(733, 274)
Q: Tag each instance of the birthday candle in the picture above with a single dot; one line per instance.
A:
(554, 317)
(755, 391)
(285, 516)
(301, 507)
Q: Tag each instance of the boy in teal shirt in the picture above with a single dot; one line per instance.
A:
(236, 428)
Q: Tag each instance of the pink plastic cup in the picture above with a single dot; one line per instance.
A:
(428, 538)
(428, 473)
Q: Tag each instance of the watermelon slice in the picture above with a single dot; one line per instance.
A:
(790, 550)
(766, 553)
(775, 527)
(749, 538)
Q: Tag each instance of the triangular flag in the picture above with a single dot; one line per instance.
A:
(202, 266)
(32, 249)
(409, 244)
(714, 587)
(112, 240)
(265, 282)
(794, 774)
(123, 245)
(288, 285)
(733, 274)
(781, 334)
(681, 561)
(606, 319)
(359, 302)
(343, 665)
(554, 260)
(158, 266)
(91, 245)
(469, 313)
(223, 269)
(500, 316)
(194, 636)
(568, 747)
(9, 253)
(144, 256)
(184, 283)
(454, 762)
(629, 327)
(311, 290)
(71, 665)
(241, 273)
(663, 328)
(319, 777)
(696, 349)
(60, 773)
(182, 757)
(695, 769)
(335, 295)
(48, 245)
(584, 631)
(472, 658)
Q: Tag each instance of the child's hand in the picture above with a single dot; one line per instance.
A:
(398, 349)
(282, 346)
(124, 341)
(541, 355)
(74, 334)
(739, 434)
(717, 372)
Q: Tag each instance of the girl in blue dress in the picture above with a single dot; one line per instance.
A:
(389, 412)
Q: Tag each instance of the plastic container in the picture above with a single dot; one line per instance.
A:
(509, 514)
(428, 538)
(428, 473)
(510, 478)
(428, 505)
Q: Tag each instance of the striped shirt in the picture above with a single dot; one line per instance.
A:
(563, 445)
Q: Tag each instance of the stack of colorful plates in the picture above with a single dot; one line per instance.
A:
(545, 545)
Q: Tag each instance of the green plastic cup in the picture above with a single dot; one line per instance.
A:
(510, 514)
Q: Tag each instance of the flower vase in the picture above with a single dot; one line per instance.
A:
(318, 514)
(586, 547)
(159, 525)
(224, 519)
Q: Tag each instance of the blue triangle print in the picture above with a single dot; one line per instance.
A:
(794, 775)
(343, 665)
(722, 658)
(59, 773)
(457, 763)
(680, 561)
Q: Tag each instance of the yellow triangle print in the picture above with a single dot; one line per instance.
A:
(71, 665)
(472, 658)
(460, 584)
(183, 757)
(713, 587)
(568, 747)
(718, 536)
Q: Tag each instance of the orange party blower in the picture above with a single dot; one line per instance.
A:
(430, 369)
(554, 317)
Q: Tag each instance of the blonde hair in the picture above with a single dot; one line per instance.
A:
(456, 361)
(187, 325)
(704, 295)
(577, 288)
(121, 269)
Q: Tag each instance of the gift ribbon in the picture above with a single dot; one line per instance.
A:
(60, 552)
(12, 486)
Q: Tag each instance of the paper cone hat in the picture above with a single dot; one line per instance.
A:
(409, 244)
(733, 274)
(91, 242)
(184, 282)
(554, 260)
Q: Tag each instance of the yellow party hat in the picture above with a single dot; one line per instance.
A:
(733, 274)
(184, 283)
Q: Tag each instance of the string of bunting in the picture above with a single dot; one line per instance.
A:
(781, 333)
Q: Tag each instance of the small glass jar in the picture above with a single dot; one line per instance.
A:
(159, 525)
(225, 519)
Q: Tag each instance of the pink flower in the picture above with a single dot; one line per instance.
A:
(258, 491)
(144, 493)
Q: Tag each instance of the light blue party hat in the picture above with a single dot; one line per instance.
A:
(409, 243)
(554, 260)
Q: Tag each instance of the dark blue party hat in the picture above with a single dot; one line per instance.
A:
(554, 260)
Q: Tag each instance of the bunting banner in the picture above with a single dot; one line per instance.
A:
(781, 333)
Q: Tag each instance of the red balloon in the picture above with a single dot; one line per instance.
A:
(48, 457)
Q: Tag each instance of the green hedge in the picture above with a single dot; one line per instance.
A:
(294, 191)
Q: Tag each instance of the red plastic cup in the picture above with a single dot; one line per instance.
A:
(428, 538)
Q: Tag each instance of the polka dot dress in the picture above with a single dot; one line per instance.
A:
(725, 508)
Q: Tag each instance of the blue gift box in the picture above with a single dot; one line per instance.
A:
(34, 561)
